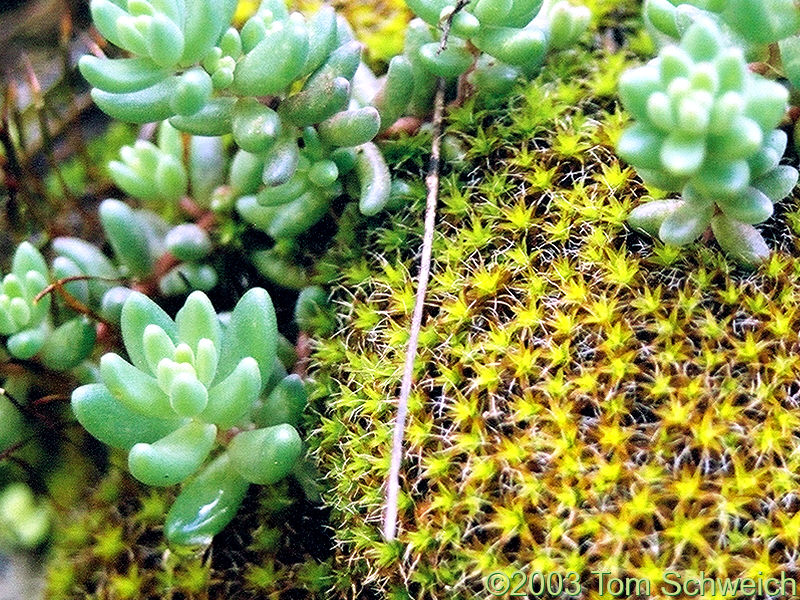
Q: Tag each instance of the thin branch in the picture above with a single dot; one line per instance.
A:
(432, 184)
(70, 300)
(8, 452)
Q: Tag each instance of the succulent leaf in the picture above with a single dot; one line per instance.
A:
(230, 400)
(69, 344)
(174, 457)
(198, 320)
(284, 404)
(206, 504)
(137, 313)
(110, 422)
(266, 455)
(136, 390)
(253, 332)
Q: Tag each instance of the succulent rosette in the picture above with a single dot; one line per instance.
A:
(186, 382)
(705, 126)
(495, 42)
(284, 86)
(26, 320)
(754, 23)
(751, 25)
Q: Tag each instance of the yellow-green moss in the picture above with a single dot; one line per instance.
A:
(109, 544)
(586, 398)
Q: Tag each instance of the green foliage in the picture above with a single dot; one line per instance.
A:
(585, 400)
(209, 79)
(188, 380)
(153, 173)
(25, 520)
(706, 127)
(148, 251)
(747, 23)
(22, 317)
(300, 105)
(27, 322)
(497, 41)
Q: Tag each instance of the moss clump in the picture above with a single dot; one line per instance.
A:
(586, 399)
(111, 545)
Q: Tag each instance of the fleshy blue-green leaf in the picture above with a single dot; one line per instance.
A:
(649, 216)
(69, 345)
(743, 242)
(778, 183)
(137, 313)
(91, 262)
(265, 456)
(252, 332)
(275, 62)
(174, 457)
(683, 155)
(197, 320)
(751, 206)
(113, 424)
(206, 504)
(686, 223)
(723, 179)
(640, 145)
(187, 395)
(28, 258)
(127, 236)
(136, 390)
(27, 343)
(230, 400)
(284, 404)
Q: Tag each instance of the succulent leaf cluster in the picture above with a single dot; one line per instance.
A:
(168, 41)
(753, 25)
(187, 382)
(26, 319)
(752, 22)
(282, 86)
(497, 41)
(705, 126)
(301, 106)
(141, 241)
(153, 173)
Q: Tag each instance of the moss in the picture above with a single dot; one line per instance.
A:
(586, 398)
(110, 544)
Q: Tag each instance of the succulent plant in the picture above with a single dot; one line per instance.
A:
(168, 41)
(189, 381)
(312, 312)
(22, 317)
(146, 249)
(282, 86)
(753, 22)
(705, 126)
(498, 41)
(153, 173)
(752, 25)
(303, 117)
(26, 320)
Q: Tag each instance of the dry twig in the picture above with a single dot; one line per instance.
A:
(432, 185)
